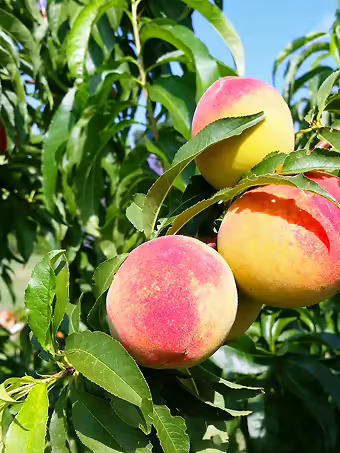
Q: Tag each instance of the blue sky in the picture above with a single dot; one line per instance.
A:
(265, 28)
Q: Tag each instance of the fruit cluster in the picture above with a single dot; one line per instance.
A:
(176, 300)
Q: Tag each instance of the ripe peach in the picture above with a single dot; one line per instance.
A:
(247, 312)
(224, 163)
(3, 139)
(283, 244)
(172, 302)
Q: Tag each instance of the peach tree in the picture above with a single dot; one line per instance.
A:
(97, 100)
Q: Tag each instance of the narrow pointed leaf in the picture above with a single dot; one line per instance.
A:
(62, 296)
(26, 433)
(105, 272)
(57, 134)
(171, 431)
(295, 45)
(21, 34)
(101, 430)
(175, 95)
(58, 428)
(39, 296)
(184, 39)
(213, 133)
(224, 27)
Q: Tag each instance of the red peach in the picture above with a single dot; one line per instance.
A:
(224, 163)
(3, 139)
(172, 302)
(283, 244)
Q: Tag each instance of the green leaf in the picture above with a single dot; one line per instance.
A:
(26, 433)
(203, 373)
(88, 181)
(134, 211)
(299, 161)
(168, 57)
(332, 136)
(236, 361)
(295, 45)
(213, 133)
(301, 81)
(77, 43)
(101, 430)
(62, 296)
(227, 194)
(78, 38)
(184, 39)
(320, 159)
(73, 313)
(104, 361)
(57, 134)
(130, 414)
(225, 28)
(58, 428)
(4, 396)
(33, 8)
(213, 399)
(329, 381)
(21, 34)
(296, 62)
(104, 273)
(324, 91)
(175, 94)
(39, 296)
(171, 430)
(207, 436)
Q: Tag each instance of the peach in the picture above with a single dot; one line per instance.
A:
(247, 312)
(3, 139)
(172, 302)
(283, 244)
(224, 163)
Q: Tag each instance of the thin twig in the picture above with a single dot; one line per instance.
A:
(134, 21)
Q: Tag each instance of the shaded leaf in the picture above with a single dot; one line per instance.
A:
(62, 296)
(171, 430)
(58, 428)
(213, 133)
(175, 95)
(57, 134)
(184, 39)
(101, 430)
(20, 33)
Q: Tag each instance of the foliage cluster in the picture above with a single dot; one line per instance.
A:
(94, 110)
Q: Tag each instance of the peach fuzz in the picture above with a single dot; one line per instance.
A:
(224, 163)
(283, 244)
(172, 302)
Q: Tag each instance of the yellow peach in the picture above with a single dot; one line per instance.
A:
(224, 163)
